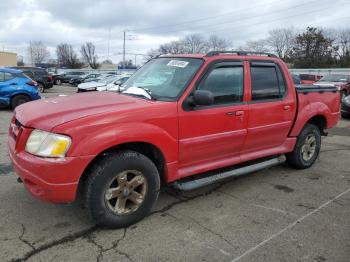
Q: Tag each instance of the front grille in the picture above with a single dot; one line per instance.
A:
(18, 124)
(15, 129)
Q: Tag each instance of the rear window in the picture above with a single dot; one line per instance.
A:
(267, 82)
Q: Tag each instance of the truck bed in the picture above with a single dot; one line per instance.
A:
(316, 101)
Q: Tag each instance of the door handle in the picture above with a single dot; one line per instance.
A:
(13, 84)
(286, 107)
(239, 113)
(229, 113)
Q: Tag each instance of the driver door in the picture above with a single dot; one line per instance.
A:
(212, 136)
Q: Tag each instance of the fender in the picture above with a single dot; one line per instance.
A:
(97, 140)
(308, 112)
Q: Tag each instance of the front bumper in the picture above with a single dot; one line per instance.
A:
(49, 179)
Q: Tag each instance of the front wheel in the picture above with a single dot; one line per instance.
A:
(306, 149)
(122, 189)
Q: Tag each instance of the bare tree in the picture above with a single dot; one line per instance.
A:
(343, 44)
(256, 46)
(215, 43)
(107, 61)
(37, 52)
(66, 56)
(281, 41)
(174, 47)
(89, 56)
(195, 43)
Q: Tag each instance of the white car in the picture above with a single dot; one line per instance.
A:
(110, 83)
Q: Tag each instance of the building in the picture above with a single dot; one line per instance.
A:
(8, 59)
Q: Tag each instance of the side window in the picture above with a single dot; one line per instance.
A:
(29, 74)
(2, 76)
(226, 84)
(267, 82)
(8, 76)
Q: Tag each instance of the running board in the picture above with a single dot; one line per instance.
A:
(201, 182)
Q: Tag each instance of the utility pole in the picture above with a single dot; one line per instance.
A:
(109, 39)
(124, 49)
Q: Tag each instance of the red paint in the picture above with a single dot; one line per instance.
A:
(190, 141)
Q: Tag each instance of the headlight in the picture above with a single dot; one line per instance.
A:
(45, 144)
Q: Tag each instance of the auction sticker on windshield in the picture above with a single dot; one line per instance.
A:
(178, 63)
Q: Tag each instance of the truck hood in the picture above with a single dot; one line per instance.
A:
(45, 114)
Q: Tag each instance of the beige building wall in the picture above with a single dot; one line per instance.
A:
(8, 59)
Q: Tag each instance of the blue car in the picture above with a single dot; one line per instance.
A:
(16, 88)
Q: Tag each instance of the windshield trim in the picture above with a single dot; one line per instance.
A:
(188, 82)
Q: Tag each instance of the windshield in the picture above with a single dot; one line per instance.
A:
(108, 79)
(165, 78)
(334, 78)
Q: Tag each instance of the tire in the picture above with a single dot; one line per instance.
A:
(343, 94)
(41, 88)
(305, 152)
(345, 115)
(58, 82)
(114, 172)
(19, 100)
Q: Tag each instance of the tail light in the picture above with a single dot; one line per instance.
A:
(32, 83)
(49, 78)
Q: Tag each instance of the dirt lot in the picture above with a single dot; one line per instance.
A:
(278, 214)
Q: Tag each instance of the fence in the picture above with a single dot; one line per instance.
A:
(321, 71)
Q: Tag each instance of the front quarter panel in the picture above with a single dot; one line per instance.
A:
(93, 135)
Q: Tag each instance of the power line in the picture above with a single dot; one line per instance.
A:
(244, 18)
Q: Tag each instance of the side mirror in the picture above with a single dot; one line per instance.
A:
(201, 98)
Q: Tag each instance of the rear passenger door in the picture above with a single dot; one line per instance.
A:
(271, 108)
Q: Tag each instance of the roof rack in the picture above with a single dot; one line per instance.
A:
(213, 53)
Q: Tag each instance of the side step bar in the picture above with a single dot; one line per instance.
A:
(201, 182)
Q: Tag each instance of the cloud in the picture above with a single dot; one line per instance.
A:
(153, 22)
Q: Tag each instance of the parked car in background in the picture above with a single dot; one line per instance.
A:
(66, 77)
(296, 79)
(308, 79)
(84, 78)
(345, 107)
(341, 81)
(16, 88)
(109, 83)
(39, 75)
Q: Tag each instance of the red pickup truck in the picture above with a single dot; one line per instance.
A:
(178, 118)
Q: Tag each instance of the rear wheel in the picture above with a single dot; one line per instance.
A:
(122, 189)
(19, 100)
(41, 88)
(58, 82)
(306, 149)
(343, 94)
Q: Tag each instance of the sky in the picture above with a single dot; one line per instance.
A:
(149, 23)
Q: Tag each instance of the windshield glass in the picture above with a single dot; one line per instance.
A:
(334, 78)
(165, 78)
(108, 79)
